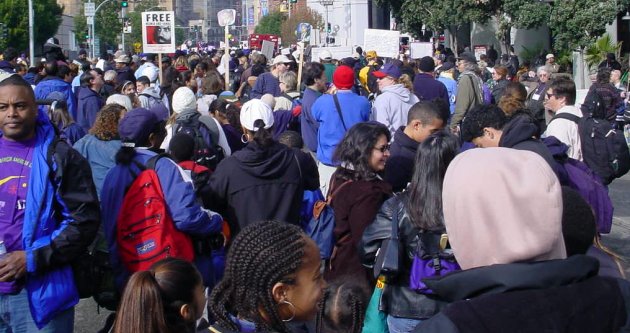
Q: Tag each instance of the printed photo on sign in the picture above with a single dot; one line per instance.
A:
(158, 34)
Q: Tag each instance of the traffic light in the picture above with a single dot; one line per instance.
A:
(329, 28)
(293, 1)
(124, 4)
(87, 33)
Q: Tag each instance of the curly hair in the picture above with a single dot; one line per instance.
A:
(106, 125)
(355, 149)
(261, 255)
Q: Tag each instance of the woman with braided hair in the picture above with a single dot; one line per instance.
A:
(272, 277)
(342, 309)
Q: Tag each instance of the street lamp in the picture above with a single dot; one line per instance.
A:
(326, 4)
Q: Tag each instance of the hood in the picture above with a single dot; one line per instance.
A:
(151, 91)
(85, 92)
(266, 163)
(502, 206)
(520, 128)
(55, 82)
(5, 65)
(399, 91)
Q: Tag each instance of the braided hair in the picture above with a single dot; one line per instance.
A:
(261, 255)
(342, 309)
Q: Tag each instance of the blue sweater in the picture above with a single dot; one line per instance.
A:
(308, 123)
(355, 109)
(90, 102)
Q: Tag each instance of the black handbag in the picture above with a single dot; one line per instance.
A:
(387, 263)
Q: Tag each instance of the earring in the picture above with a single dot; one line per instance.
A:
(244, 138)
(292, 306)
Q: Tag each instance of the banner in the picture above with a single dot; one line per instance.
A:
(158, 32)
(386, 43)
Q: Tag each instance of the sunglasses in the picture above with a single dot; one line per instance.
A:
(384, 148)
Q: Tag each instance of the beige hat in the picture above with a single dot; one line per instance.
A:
(123, 58)
(549, 56)
(501, 206)
(281, 59)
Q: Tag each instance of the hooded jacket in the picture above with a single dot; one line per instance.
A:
(392, 105)
(400, 164)
(53, 83)
(90, 103)
(6, 66)
(60, 220)
(551, 296)
(260, 183)
(521, 133)
(149, 97)
(125, 74)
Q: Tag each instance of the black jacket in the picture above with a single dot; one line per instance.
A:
(257, 183)
(551, 296)
(399, 167)
(398, 299)
(522, 133)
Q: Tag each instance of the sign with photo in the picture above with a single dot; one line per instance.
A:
(158, 32)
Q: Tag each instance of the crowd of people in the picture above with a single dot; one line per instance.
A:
(205, 195)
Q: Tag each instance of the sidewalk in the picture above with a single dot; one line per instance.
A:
(618, 239)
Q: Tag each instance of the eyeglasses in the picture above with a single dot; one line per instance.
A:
(550, 95)
(384, 148)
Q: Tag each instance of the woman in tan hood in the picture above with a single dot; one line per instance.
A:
(503, 211)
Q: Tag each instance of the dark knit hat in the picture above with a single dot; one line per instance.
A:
(343, 78)
(426, 64)
(578, 222)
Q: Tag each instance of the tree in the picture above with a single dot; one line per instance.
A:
(107, 24)
(289, 25)
(596, 52)
(47, 14)
(520, 14)
(270, 24)
(578, 23)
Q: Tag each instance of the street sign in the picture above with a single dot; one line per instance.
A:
(89, 9)
(89, 20)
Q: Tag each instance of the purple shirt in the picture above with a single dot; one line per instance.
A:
(15, 171)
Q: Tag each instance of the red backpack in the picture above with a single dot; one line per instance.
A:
(145, 231)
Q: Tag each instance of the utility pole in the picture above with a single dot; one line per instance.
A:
(31, 34)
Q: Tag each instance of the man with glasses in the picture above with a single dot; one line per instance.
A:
(268, 83)
(560, 98)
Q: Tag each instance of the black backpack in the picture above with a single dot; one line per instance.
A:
(604, 149)
(208, 154)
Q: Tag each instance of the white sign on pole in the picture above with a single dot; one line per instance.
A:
(89, 20)
(386, 43)
(89, 9)
(226, 17)
(418, 50)
(158, 32)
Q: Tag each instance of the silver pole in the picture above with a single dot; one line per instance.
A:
(31, 33)
(122, 13)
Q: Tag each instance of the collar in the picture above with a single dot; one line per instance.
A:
(496, 279)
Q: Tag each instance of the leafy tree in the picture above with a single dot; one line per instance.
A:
(271, 24)
(14, 14)
(578, 23)
(289, 25)
(107, 24)
(596, 52)
(520, 14)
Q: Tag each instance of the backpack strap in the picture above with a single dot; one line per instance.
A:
(153, 161)
(334, 193)
(338, 107)
(567, 116)
(211, 125)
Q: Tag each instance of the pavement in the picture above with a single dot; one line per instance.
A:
(90, 319)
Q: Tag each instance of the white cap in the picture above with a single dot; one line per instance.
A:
(253, 110)
(184, 100)
(122, 58)
(122, 100)
(325, 55)
(549, 56)
(151, 72)
(281, 59)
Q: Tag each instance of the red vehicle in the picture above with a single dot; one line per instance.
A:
(256, 40)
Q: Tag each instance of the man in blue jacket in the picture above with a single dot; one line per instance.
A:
(334, 122)
(315, 81)
(51, 82)
(49, 214)
(89, 99)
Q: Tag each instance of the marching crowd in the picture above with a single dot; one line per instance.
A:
(441, 194)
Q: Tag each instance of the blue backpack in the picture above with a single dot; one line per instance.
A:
(321, 226)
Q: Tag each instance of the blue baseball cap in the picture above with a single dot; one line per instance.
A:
(388, 70)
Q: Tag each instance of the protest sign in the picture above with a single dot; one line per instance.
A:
(158, 32)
